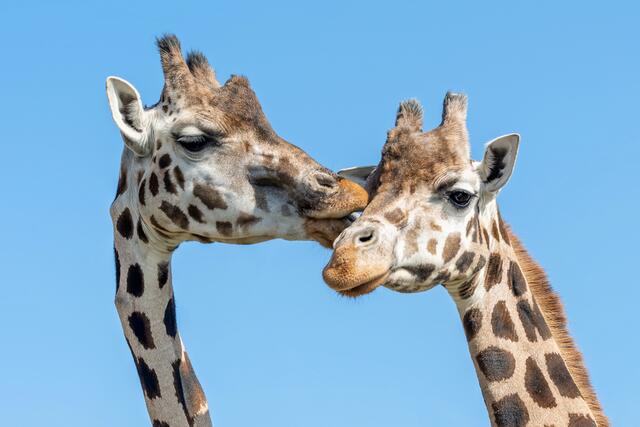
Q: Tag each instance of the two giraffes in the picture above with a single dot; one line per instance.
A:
(204, 164)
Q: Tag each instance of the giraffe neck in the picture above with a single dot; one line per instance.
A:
(520, 366)
(146, 307)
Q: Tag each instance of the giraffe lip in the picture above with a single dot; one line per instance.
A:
(365, 287)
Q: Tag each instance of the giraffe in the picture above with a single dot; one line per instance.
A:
(202, 164)
(433, 219)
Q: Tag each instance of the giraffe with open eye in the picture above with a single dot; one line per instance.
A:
(433, 219)
(202, 164)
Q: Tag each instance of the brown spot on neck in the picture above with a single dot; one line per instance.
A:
(580, 420)
(560, 376)
(464, 261)
(494, 230)
(537, 386)
(501, 323)
(472, 323)
(510, 411)
(493, 273)
(504, 232)
(496, 363)
(517, 282)
(466, 289)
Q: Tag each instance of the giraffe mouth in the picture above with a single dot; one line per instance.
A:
(366, 287)
(349, 198)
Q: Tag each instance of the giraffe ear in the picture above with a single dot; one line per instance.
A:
(499, 161)
(357, 174)
(128, 113)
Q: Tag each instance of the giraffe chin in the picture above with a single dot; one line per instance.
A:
(325, 231)
(366, 287)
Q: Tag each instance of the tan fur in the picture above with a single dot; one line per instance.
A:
(410, 115)
(350, 194)
(553, 312)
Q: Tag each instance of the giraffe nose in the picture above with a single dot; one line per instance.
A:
(323, 181)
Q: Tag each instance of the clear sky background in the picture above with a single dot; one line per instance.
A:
(272, 344)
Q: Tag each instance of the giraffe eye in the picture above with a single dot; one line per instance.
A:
(195, 143)
(460, 199)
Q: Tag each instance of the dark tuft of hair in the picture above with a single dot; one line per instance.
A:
(196, 59)
(167, 43)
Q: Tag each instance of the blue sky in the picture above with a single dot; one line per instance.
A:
(272, 345)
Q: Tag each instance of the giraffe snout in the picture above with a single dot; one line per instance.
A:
(359, 237)
(334, 197)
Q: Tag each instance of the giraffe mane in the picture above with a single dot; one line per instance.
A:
(553, 312)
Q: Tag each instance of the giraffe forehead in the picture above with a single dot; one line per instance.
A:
(232, 107)
(240, 108)
(417, 151)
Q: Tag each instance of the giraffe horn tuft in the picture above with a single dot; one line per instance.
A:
(201, 70)
(454, 109)
(410, 114)
(175, 69)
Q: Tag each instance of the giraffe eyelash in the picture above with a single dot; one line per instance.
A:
(460, 199)
(196, 143)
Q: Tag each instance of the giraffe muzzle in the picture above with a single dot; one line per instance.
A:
(343, 199)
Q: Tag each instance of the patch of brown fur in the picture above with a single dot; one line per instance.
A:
(553, 312)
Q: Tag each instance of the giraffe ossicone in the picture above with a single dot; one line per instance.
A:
(202, 164)
(433, 219)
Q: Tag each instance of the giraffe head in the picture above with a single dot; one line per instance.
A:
(422, 226)
(204, 163)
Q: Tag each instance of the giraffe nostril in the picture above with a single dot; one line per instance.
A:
(325, 180)
(365, 237)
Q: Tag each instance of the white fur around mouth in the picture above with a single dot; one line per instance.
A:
(401, 280)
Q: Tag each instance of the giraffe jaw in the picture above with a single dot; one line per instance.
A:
(366, 287)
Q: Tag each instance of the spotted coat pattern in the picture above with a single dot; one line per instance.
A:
(522, 374)
(254, 188)
(419, 231)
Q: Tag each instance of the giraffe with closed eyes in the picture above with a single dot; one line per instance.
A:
(433, 219)
(202, 164)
